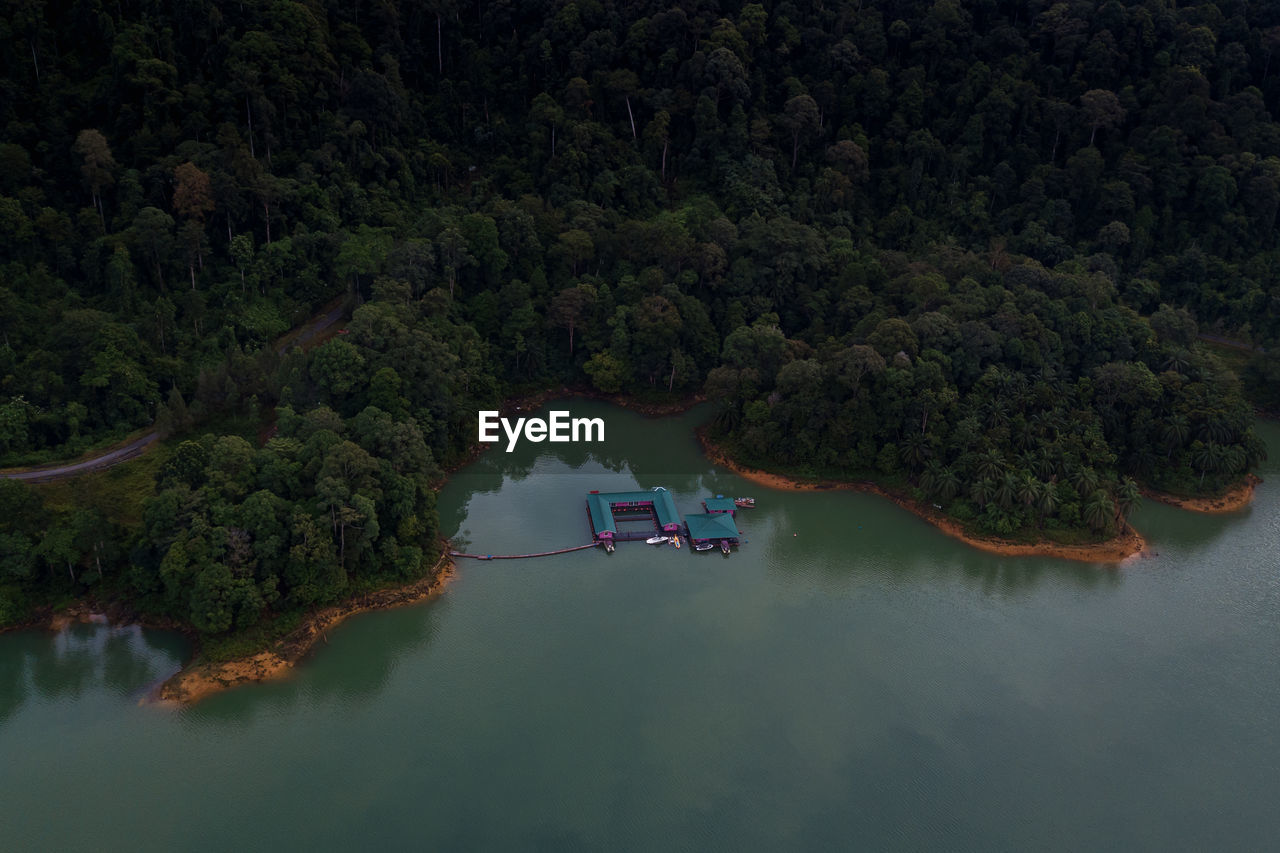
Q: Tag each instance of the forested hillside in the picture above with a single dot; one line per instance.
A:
(968, 244)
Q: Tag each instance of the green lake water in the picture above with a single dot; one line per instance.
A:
(849, 679)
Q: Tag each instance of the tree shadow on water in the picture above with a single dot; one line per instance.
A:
(81, 658)
(352, 664)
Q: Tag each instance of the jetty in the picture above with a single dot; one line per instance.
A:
(525, 556)
(645, 516)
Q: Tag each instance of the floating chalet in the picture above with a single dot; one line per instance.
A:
(714, 528)
(639, 513)
(625, 516)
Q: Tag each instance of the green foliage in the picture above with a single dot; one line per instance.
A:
(971, 249)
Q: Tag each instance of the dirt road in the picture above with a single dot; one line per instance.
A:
(97, 463)
(47, 474)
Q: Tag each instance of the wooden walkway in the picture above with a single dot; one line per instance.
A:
(523, 556)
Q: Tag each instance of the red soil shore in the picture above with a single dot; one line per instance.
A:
(1123, 546)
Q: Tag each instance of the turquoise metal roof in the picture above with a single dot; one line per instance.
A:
(601, 507)
(601, 517)
(719, 504)
(711, 525)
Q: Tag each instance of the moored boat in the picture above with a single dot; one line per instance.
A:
(704, 546)
(744, 502)
(656, 540)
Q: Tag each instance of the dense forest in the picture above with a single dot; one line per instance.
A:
(970, 245)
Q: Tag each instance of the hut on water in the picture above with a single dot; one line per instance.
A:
(713, 527)
(720, 504)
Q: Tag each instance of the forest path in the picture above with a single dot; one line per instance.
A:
(115, 456)
(303, 335)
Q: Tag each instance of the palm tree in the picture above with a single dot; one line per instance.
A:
(1048, 502)
(930, 476)
(997, 412)
(948, 483)
(982, 492)
(1045, 466)
(1098, 510)
(1084, 478)
(1202, 458)
(1255, 452)
(915, 450)
(1006, 490)
(989, 465)
(1028, 490)
(1234, 459)
(1177, 360)
(1218, 458)
(1208, 457)
(1220, 430)
(1128, 497)
(1176, 433)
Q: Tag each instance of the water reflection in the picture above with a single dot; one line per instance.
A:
(81, 658)
(353, 667)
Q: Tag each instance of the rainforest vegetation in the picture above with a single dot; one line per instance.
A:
(968, 245)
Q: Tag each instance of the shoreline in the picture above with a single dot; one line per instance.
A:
(1235, 498)
(1127, 544)
(195, 681)
(198, 680)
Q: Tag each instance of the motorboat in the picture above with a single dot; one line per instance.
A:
(704, 546)
(656, 540)
(675, 540)
(747, 503)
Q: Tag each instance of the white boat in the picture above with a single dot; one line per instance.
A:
(704, 546)
(656, 540)
(744, 502)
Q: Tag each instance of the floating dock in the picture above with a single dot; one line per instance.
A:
(718, 528)
(605, 510)
(525, 556)
(720, 504)
(636, 516)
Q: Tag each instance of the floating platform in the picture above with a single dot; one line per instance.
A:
(606, 509)
(524, 556)
(716, 528)
(720, 504)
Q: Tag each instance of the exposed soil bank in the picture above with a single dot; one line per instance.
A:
(1127, 544)
(199, 680)
(1237, 497)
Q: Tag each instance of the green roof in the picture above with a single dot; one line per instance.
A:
(719, 504)
(711, 525)
(601, 507)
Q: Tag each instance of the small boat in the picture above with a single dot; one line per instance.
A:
(656, 540)
(704, 546)
(745, 502)
(724, 546)
(675, 540)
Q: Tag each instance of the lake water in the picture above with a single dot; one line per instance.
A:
(849, 678)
